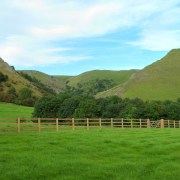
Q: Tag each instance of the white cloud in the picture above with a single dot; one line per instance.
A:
(161, 32)
(162, 40)
(27, 27)
(28, 52)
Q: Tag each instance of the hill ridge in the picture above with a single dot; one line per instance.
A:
(157, 81)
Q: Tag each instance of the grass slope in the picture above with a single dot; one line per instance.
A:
(15, 111)
(54, 82)
(117, 77)
(158, 81)
(15, 80)
(95, 154)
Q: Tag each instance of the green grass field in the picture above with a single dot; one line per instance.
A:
(15, 111)
(95, 154)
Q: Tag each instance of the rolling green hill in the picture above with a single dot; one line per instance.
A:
(57, 83)
(117, 77)
(158, 81)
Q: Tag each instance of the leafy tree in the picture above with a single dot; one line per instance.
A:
(3, 77)
(26, 97)
(12, 93)
(68, 107)
(87, 109)
(25, 93)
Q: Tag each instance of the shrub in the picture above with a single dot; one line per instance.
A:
(3, 77)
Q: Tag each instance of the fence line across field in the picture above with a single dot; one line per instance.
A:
(56, 124)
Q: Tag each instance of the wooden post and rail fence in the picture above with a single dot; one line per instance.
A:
(58, 124)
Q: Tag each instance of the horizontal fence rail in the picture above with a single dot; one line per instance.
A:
(11, 125)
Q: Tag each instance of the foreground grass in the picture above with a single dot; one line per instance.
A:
(15, 111)
(94, 154)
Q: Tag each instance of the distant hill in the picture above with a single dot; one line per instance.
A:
(117, 77)
(158, 81)
(63, 78)
(57, 83)
(93, 82)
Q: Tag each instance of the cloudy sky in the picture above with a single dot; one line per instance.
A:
(73, 36)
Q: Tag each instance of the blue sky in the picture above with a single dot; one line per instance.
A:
(68, 37)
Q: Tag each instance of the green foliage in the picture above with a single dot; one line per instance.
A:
(48, 106)
(92, 87)
(3, 77)
(68, 105)
(12, 93)
(88, 108)
(25, 93)
(26, 97)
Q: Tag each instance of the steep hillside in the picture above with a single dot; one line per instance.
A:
(158, 81)
(54, 82)
(15, 80)
(117, 77)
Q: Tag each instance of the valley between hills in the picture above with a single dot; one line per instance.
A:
(158, 81)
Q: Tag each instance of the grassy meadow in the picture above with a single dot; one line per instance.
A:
(94, 154)
(15, 111)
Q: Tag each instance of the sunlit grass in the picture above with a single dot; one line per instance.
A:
(91, 154)
(15, 111)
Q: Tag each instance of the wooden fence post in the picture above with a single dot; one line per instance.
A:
(162, 123)
(148, 123)
(179, 123)
(57, 125)
(100, 123)
(122, 123)
(131, 123)
(39, 124)
(174, 124)
(168, 124)
(73, 124)
(140, 123)
(87, 123)
(112, 123)
(19, 122)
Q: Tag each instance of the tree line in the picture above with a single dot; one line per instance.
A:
(67, 105)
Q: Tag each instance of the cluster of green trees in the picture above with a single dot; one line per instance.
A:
(68, 105)
(92, 87)
(23, 97)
